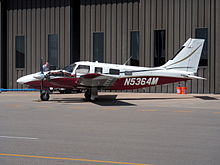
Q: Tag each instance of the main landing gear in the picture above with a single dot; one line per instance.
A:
(91, 94)
(44, 95)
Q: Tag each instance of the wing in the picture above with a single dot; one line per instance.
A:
(97, 80)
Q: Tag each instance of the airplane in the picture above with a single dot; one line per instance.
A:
(93, 76)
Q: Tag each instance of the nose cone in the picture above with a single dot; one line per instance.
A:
(21, 80)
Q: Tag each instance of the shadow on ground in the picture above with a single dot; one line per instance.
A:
(103, 100)
(112, 100)
(206, 97)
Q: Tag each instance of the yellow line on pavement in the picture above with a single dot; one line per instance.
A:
(216, 112)
(182, 111)
(59, 158)
(152, 110)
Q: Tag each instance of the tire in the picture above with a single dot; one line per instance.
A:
(87, 95)
(44, 96)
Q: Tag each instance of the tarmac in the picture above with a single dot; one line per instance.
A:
(120, 128)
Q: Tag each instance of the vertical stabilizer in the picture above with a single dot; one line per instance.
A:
(188, 57)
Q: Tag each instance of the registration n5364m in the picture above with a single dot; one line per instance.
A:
(141, 81)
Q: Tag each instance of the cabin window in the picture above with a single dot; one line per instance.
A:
(98, 46)
(135, 44)
(202, 33)
(83, 69)
(159, 47)
(114, 71)
(53, 50)
(70, 68)
(128, 73)
(20, 51)
(98, 70)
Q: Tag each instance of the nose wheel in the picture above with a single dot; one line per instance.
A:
(44, 96)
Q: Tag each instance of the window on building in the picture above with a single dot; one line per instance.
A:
(98, 70)
(53, 50)
(20, 51)
(98, 46)
(114, 71)
(202, 33)
(135, 44)
(159, 47)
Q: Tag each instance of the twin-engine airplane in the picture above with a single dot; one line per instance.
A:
(92, 76)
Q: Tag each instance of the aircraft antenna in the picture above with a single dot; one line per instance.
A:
(127, 60)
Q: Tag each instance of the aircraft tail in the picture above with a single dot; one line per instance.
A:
(187, 59)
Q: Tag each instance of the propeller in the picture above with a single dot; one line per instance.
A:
(42, 73)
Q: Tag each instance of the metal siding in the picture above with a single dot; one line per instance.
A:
(98, 15)
(217, 48)
(119, 33)
(43, 35)
(15, 31)
(1, 44)
(28, 41)
(108, 33)
(93, 27)
(212, 43)
(38, 39)
(88, 33)
(179, 18)
(67, 37)
(124, 32)
(33, 40)
(35, 24)
(82, 30)
(114, 33)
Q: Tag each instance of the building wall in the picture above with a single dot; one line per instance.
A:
(35, 19)
(0, 43)
(217, 47)
(180, 18)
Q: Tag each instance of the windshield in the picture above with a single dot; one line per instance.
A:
(69, 68)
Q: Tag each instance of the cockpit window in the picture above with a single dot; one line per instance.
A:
(83, 69)
(69, 68)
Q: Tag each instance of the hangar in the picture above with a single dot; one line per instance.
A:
(149, 31)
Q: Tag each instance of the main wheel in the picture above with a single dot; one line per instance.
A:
(44, 96)
(87, 95)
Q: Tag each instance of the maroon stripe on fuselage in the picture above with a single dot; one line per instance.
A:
(54, 83)
(142, 82)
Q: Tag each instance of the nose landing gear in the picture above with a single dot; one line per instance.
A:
(44, 95)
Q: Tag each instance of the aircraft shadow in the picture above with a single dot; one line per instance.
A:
(103, 100)
(68, 100)
(206, 97)
(110, 100)
(158, 98)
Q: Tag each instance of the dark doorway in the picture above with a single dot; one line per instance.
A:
(3, 45)
(75, 31)
(159, 47)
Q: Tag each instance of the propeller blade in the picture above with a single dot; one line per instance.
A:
(41, 66)
(42, 74)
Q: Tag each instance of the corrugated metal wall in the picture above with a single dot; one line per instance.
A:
(35, 19)
(0, 44)
(180, 18)
(217, 47)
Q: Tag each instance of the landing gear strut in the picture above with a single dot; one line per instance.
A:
(91, 94)
(44, 95)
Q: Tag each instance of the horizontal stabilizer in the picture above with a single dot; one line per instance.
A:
(196, 77)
